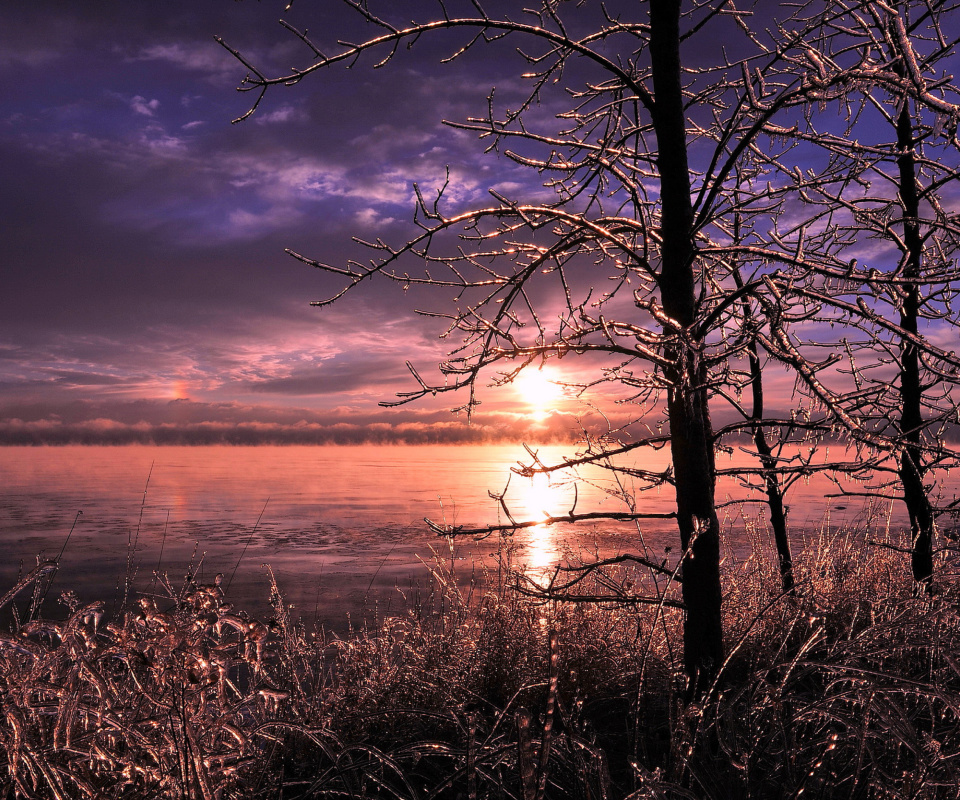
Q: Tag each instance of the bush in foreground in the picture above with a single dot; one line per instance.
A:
(850, 689)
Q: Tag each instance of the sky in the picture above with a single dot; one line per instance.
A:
(146, 294)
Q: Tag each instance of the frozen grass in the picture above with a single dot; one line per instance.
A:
(850, 690)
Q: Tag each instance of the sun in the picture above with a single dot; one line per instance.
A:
(540, 389)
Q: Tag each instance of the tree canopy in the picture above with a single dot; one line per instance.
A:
(724, 188)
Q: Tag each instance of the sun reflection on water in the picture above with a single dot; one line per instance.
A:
(540, 499)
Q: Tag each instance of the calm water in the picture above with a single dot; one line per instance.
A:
(342, 527)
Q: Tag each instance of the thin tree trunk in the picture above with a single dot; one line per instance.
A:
(778, 514)
(691, 431)
(772, 487)
(911, 466)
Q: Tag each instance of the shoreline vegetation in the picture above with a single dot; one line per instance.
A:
(849, 689)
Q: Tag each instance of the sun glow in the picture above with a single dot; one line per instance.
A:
(540, 389)
(540, 499)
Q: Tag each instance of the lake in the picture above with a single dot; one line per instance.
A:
(341, 527)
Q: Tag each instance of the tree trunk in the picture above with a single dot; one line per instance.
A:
(772, 486)
(778, 515)
(911, 465)
(691, 432)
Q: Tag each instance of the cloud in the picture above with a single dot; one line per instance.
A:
(285, 176)
(285, 352)
(205, 57)
(371, 218)
(74, 378)
(140, 105)
(158, 142)
(285, 113)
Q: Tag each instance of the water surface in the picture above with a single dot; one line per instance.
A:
(341, 527)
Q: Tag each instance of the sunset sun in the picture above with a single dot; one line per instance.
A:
(540, 389)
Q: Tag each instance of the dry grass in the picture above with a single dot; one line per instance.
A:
(851, 689)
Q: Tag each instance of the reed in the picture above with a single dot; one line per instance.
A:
(849, 689)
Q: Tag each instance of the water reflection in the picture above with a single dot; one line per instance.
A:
(540, 499)
(342, 522)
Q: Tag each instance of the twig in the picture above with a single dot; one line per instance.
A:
(249, 539)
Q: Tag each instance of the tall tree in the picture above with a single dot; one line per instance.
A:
(899, 158)
(651, 118)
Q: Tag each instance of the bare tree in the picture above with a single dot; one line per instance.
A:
(893, 162)
(644, 162)
(773, 484)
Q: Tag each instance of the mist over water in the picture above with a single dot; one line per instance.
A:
(341, 527)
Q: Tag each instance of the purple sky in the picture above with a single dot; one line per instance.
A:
(146, 294)
(145, 287)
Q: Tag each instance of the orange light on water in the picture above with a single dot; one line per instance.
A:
(540, 499)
